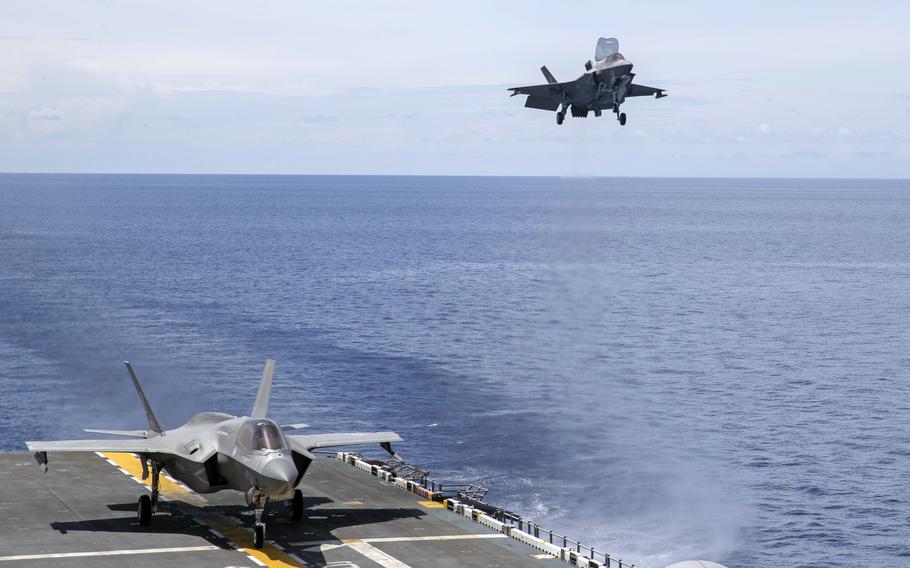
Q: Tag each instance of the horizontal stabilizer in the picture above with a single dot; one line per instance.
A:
(128, 433)
(543, 103)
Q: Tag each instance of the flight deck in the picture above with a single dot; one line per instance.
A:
(83, 513)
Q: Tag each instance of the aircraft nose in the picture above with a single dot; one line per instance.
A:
(281, 474)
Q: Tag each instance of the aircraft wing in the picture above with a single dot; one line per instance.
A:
(642, 91)
(549, 96)
(313, 441)
(144, 446)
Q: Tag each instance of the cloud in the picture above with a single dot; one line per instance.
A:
(763, 128)
(46, 113)
(872, 154)
(319, 119)
(803, 154)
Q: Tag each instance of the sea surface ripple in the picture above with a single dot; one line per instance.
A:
(667, 368)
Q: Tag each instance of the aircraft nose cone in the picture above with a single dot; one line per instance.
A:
(280, 474)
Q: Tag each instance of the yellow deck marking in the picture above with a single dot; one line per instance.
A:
(431, 504)
(170, 490)
(241, 537)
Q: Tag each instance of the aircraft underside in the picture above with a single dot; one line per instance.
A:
(579, 110)
(606, 84)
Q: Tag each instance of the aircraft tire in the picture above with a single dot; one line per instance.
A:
(297, 505)
(622, 119)
(560, 116)
(144, 510)
(258, 536)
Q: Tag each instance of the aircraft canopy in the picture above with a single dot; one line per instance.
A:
(606, 46)
(260, 434)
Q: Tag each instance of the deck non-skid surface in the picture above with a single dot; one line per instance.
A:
(82, 513)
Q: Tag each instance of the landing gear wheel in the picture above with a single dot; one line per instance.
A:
(297, 505)
(258, 536)
(144, 510)
(560, 116)
(622, 119)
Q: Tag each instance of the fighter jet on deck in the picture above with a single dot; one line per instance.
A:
(215, 451)
(605, 85)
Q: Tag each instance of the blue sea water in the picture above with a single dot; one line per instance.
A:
(667, 368)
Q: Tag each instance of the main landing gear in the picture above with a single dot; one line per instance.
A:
(560, 116)
(620, 116)
(297, 505)
(148, 505)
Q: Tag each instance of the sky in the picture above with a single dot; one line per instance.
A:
(757, 89)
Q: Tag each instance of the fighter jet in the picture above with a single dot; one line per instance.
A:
(215, 451)
(605, 85)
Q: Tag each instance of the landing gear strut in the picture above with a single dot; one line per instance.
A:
(149, 504)
(258, 501)
(620, 116)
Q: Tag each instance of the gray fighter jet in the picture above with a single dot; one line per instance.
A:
(605, 85)
(215, 451)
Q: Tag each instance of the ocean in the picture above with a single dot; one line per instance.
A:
(665, 368)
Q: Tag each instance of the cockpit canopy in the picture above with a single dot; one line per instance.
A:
(260, 434)
(606, 46)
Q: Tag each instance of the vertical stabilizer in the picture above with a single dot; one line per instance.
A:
(154, 426)
(261, 408)
(549, 76)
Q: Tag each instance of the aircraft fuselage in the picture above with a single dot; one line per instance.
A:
(208, 458)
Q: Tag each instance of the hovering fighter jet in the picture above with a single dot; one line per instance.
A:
(605, 85)
(215, 451)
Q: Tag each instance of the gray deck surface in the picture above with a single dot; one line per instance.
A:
(86, 505)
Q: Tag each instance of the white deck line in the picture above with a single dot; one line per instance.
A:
(441, 537)
(399, 539)
(376, 555)
(108, 553)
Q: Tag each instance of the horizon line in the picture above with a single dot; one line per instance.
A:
(554, 176)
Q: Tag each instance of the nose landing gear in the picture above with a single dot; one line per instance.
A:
(258, 500)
